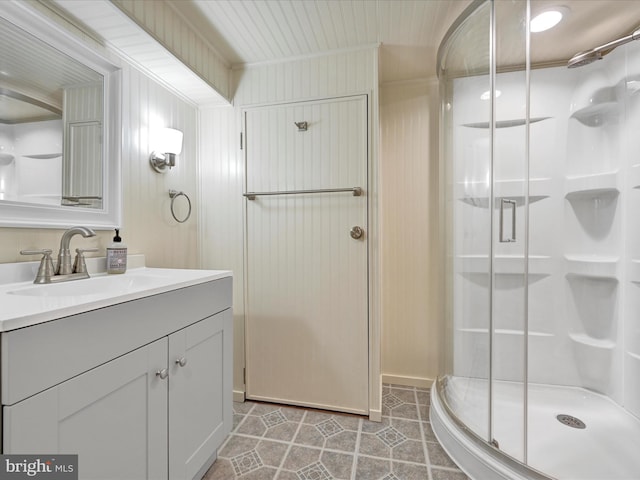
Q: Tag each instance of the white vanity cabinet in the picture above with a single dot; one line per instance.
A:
(200, 411)
(139, 390)
(114, 417)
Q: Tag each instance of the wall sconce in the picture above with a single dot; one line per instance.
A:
(169, 144)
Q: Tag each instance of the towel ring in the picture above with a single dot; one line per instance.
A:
(175, 194)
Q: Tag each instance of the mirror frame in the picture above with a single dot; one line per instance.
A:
(27, 215)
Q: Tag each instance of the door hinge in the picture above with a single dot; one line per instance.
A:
(244, 376)
(240, 140)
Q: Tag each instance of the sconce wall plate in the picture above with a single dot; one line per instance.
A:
(162, 162)
(302, 126)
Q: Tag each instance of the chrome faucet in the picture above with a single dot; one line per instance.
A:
(64, 271)
(64, 256)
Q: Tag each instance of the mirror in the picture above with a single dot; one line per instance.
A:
(59, 126)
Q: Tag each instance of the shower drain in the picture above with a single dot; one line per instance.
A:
(570, 421)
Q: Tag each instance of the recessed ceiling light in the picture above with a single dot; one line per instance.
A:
(547, 19)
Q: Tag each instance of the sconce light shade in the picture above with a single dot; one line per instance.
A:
(168, 145)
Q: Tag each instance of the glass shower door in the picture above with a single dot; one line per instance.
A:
(509, 131)
(468, 164)
(486, 125)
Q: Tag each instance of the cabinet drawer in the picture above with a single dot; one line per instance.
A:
(39, 357)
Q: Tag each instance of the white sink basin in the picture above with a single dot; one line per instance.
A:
(25, 304)
(112, 284)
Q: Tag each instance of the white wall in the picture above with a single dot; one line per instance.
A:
(411, 283)
(222, 214)
(165, 23)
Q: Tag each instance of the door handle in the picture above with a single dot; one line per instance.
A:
(512, 238)
(356, 232)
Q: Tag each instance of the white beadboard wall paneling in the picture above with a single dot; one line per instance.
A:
(409, 189)
(106, 22)
(165, 23)
(400, 63)
(344, 73)
(148, 106)
(221, 225)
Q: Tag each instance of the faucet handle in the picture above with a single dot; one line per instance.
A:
(46, 270)
(44, 251)
(79, 264)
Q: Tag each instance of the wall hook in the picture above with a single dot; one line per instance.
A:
(302, 126)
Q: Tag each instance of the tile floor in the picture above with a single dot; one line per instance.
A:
(288, 443)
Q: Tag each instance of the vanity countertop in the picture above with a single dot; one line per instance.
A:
(23, 304)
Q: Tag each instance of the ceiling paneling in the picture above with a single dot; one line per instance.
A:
(247, 32)
(258, 31)
(410, 31)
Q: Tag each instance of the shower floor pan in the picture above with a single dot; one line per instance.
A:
(605, 449)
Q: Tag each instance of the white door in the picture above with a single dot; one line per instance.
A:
(307, 308)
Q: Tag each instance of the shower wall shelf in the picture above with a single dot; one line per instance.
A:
(595, 266)
(483, 202)
(477, 193)
(593, 185)
(517, 122)
(44, 156)
(503, 331)
(599, 343)
(597, 114)
(506, 264)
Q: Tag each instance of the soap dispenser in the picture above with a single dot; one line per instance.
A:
(117, 255)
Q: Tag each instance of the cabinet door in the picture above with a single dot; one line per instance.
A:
(113, 417)
(200, 394)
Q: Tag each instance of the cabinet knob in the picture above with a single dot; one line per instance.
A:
(181, 361)
(164, 373)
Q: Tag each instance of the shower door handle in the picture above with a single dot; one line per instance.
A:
(512, 238)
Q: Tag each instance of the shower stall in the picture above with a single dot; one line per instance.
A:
(540, 198)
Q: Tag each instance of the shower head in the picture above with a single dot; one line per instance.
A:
(586, 57)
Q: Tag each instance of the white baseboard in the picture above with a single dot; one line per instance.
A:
(407, 381)
(238, 396)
